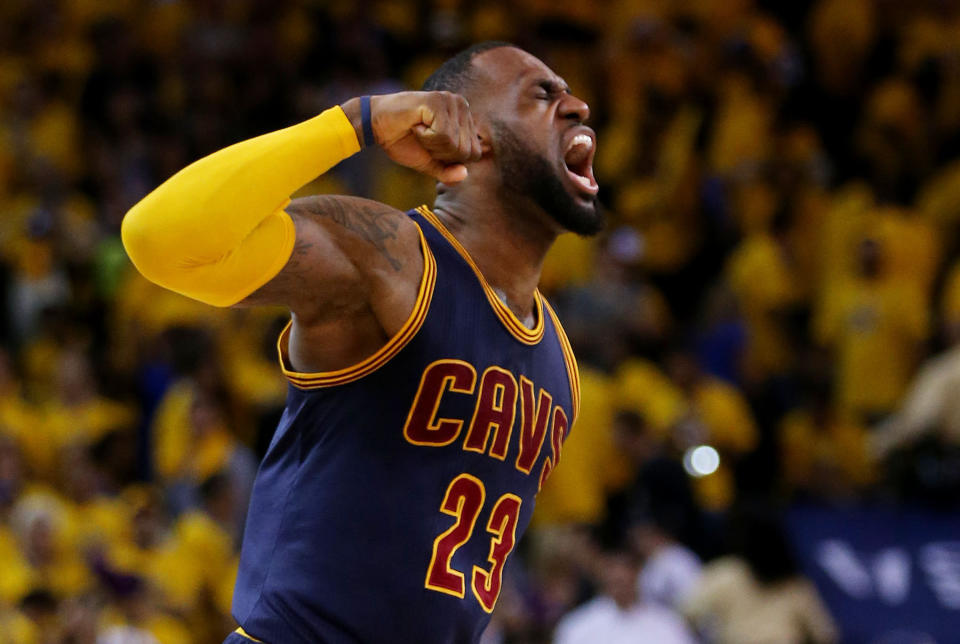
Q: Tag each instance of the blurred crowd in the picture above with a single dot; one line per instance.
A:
(771, 317)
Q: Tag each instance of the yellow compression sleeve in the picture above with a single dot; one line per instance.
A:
(216, 231)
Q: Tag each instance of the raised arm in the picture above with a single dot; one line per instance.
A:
(223, 230)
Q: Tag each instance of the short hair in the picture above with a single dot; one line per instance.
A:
(456, 73)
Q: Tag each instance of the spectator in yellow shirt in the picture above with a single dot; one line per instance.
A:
(134, 612)
(77, 415)
(824, 454)
(40, 522)
(206, 542)
(152, 553)
(761, 274)
(718, 415)
(592, 464)
(15, 627)
(212, 448)
(17, 418)
(874, 326)
(642, 387)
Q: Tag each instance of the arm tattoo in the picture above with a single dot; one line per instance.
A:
(377, 224)
(373, 222)
(298, 265)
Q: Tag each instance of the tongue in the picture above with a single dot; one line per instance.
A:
(577, 156)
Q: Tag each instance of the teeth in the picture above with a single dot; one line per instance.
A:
(583, 181)
(581, 139)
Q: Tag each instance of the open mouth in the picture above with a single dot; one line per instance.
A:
(578, 160)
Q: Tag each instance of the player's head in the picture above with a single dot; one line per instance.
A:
(541, 150)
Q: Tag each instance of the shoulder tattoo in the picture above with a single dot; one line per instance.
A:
(373, 222)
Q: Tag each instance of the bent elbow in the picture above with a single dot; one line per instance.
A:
(140, 244)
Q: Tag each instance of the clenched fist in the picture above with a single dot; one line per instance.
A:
(431, 132)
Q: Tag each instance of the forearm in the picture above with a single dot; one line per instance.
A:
(216, 231)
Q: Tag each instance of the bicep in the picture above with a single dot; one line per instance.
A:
(343, 247)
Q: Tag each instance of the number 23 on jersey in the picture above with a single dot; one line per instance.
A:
(464, 500)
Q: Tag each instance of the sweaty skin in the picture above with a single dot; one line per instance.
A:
(352, 278)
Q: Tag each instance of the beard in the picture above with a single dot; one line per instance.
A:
(525, 174)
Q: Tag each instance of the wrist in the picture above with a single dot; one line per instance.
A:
(354, 114)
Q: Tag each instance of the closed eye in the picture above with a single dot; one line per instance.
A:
(550, 90)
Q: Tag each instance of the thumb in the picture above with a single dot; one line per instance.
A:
(454, 173)
(450, 174)
(420, 129)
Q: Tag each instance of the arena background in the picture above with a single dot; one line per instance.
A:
(777, 287)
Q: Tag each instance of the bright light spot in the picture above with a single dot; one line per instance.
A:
(701, 460)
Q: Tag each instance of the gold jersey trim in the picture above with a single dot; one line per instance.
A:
(507, 317)
(250, 637)
(573, 371)
(393, 346)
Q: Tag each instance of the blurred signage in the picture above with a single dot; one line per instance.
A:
(888, 577)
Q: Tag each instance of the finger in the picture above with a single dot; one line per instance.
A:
(465, 138)
(455, 110)
(439, 143)
(468, 140)
(445, 172)
(462, 135)
(454, 173)
(476, 148)
(455, 128)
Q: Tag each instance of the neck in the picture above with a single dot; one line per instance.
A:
(507, 243)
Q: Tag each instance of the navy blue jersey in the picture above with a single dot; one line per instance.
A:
(394, 490)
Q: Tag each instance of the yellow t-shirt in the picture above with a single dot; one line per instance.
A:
(725, 412)
(178, 579)
(741, 132)
(950, 304)
(18, 421)
(65, 573)
(17, 578)
(569, 262)
(87, 422)
(911, 247)
(764, 284)
(203, 544)
(179, 450)
(640, 386)
(17, 627)
(576, 490)
(875, 328)
(171, 430)
(168, 629)
(840, 446)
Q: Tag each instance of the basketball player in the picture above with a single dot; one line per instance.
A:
(431, 385)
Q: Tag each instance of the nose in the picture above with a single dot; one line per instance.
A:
(572, 107)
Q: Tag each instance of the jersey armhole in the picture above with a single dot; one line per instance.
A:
(321, 379)
(573, 371)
